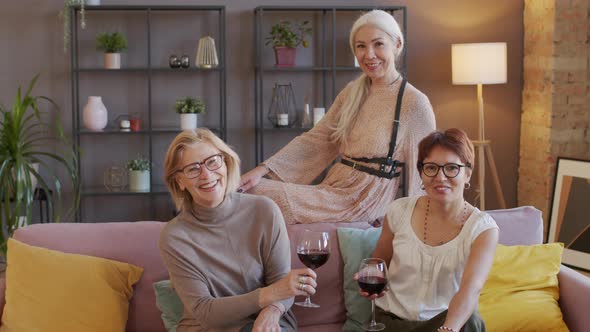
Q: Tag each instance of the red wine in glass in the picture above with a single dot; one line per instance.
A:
(372, 278)
(313, 250)
(372, 284)
(313, 258)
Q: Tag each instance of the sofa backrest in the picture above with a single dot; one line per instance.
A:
(519, 226)
(132, 242)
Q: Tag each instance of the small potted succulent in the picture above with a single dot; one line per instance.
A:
(285, 37)
(111, 44)
(188, 108)
(139, 174)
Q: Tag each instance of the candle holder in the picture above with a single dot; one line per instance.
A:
(282, 112)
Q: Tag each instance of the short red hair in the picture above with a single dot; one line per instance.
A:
(453, 139)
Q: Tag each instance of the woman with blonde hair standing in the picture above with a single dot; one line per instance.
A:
(374, 126)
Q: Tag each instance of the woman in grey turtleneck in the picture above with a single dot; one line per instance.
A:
(227, 253)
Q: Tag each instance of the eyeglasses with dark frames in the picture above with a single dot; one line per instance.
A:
(450, 170)
(212, 163)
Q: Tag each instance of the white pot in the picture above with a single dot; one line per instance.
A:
(188, 121)
(112, 60)
(95, 115)
(139, 181)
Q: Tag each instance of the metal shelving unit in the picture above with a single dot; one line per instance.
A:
(151, 130)
(325, 55)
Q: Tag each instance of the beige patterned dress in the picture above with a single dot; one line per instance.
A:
(347, 194)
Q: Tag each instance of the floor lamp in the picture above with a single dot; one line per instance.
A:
(478, 64)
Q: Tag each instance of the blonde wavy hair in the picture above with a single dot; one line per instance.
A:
(359, 88)
(186, 139)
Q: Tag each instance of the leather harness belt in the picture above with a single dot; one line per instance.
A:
(388, 161)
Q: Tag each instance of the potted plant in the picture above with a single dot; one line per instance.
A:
(139, 174)
(188, 108)
(111, 44)
(27, 139)
(285, 37)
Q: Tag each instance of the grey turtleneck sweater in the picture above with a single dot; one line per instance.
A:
(219, 258)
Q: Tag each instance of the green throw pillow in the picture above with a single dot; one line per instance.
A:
(355, 245)
(169, 304)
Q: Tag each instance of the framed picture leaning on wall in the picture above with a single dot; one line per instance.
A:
(570, 211)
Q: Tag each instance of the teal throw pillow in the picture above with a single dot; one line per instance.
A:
(169, 304)
(355, 245)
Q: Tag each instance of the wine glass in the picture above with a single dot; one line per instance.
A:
(372, 279)
(313, 250)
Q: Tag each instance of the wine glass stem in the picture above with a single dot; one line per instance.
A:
(308, 300)
(373, 322)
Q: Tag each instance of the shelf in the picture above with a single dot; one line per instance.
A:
(162, 130)
(103, 191)
(149, 7)
(287, 130)
(147, 69)
(146, 85)
(307, 69)
(326, 8)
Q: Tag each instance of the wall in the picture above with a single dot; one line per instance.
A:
(555, 117)
(432, 27)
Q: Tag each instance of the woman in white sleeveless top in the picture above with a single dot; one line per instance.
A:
(439, 249)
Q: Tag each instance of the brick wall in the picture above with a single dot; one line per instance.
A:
(555, 117)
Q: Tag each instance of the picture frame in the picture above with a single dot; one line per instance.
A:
(570, 208)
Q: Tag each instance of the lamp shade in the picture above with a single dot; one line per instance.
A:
(479, 63)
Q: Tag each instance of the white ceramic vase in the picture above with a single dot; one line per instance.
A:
(112, 60)
(188, 121)
(95, 114)
(139, 181)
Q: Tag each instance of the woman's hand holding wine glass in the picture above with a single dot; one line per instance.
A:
(372, 279)
(289, 286)
(313, 249)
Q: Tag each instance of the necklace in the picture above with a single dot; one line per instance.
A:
(425, 230)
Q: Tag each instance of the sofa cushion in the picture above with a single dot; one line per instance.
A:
(355, 245)
(521, 292)
(48, 290)
(169, 304)
(131, 242)
(329, 293)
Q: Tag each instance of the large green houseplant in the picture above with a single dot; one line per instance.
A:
(28, 137)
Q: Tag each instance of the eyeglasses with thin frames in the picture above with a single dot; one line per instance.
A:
(450, 170)
(212, 163)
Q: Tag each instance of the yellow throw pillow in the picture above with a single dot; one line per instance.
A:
(51, 291)
(521, 292)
